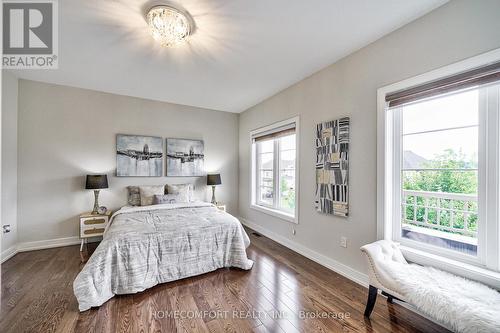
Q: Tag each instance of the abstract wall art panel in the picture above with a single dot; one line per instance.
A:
(185, 158)
(139, 156)
(332, 167)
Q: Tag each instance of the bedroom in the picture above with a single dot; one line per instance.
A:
(278, 113)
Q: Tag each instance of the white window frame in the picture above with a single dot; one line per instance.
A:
(254, 190)
(486, 266)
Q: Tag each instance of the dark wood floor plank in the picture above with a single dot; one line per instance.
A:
(183, 302)
(37, 296)
(124, 316)
(32, 293)
(262, 307)
(231, 304)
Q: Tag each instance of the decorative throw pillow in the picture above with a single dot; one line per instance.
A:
(166, 199)
(185, 191)
(134, 196)
(148, 192)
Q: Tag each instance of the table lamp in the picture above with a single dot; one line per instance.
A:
(213, 180)
(96, 182)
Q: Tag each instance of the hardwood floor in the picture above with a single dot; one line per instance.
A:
(297, 294)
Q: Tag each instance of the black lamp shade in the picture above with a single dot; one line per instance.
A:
(214, 179)
(95, 182)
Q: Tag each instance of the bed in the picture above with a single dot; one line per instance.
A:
(147, 245)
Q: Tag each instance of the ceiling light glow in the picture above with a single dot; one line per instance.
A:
(169, 25)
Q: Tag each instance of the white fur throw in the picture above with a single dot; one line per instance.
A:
(458, 303)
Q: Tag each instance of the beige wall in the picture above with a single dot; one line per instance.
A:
(65, 133)
(9, 158)
(458, 30)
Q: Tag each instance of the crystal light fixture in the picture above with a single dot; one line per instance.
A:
(169, 25)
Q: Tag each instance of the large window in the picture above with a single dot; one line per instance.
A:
(438, 158)
(274, 169)
(439, 147)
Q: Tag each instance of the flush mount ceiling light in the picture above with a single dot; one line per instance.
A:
(169, 25)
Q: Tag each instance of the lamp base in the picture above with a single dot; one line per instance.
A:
(214, 202)
(96, 202)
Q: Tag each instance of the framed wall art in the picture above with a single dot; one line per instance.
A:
(332, 167)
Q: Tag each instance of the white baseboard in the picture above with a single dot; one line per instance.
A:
(9, 253)
(38, 245)
(334, 265)
(47, 244)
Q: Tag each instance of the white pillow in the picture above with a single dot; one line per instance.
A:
(185, 191)
(166, 199)
(148, 193)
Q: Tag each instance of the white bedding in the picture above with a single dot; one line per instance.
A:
(144, 246)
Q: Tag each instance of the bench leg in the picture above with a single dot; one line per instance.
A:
(390, 298)
(370, 303)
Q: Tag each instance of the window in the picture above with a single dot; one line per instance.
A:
(438, 164)
(274, 169)
(439, 147)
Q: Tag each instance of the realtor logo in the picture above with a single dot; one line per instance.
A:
(30, 34)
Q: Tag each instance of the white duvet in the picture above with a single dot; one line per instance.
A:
(144, 246)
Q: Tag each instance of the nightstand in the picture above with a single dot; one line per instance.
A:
(92, 225)
(221, 206)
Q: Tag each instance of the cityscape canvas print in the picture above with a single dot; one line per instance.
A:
(332, 167)
(185, 157)
(139, 156)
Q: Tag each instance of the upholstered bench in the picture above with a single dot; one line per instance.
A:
(457, 303)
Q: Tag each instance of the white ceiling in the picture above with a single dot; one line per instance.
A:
(242, 52)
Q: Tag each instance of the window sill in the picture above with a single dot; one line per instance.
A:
(484, 275)
(276, 213)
